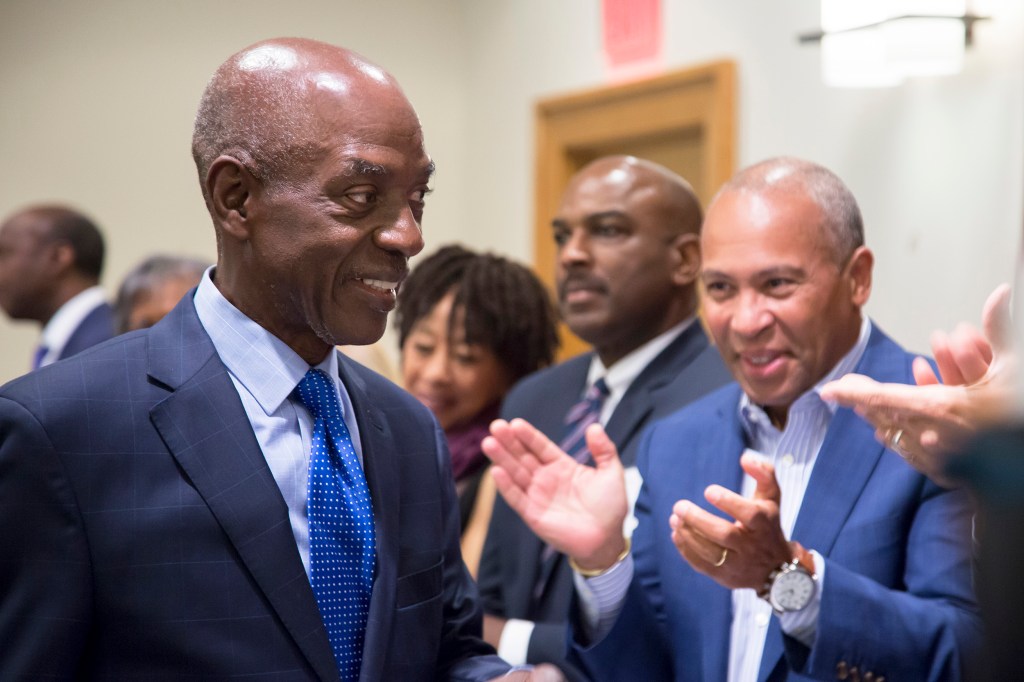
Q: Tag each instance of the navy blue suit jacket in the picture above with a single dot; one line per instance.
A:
(511, 568)
(897, 598)
(144, 536)
(96, 327)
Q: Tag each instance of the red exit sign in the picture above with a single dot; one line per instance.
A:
(632, 32)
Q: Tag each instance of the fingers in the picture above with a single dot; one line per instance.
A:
(995, 320)
(924, 375)
(764, 474)
(505, 450)
(970, 354)
(964, 355)
(754, 515)
(702, 553)
(713, 532)
(545, 672)
(513, 494)
(601, 447)
(850, 390)
(879, 404)
(733, 554)
(533, 441)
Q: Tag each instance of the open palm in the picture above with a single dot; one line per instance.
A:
(577, 509)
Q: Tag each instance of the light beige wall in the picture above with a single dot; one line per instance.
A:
(937, 164)
(97, 100)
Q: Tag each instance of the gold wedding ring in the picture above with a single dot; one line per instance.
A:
(721, 561)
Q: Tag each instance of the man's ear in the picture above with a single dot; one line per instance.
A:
(859, 275)
(686, 259)
(231, 187)
(60, 256)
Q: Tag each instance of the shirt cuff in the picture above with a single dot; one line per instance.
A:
(802, 625)
(515, 640)
(601, 597)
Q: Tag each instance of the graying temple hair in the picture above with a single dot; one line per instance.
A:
(256, 117)
(844, 225)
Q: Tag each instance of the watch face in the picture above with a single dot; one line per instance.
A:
(792, 590)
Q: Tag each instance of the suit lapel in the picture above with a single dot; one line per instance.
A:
(716, 459)
(847, 458)
(205, 427)
(384, 482)
(642, 395)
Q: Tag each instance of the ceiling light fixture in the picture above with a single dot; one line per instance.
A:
(877, 43)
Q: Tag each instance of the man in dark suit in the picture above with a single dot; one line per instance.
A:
(51, 259)
(628, 256)
(828, 557)
(155, 515)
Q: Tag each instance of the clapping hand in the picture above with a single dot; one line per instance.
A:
(577, 509)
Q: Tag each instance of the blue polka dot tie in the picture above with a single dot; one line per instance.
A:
(342, 543)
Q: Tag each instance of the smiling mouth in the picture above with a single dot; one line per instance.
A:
(759, 359)
(380, 284)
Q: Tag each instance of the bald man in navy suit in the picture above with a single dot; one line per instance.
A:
(154, 512)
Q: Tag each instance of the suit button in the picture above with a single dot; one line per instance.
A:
(854, 674)
(869, 676)
(842, 672)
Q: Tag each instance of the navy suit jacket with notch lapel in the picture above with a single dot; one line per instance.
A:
(897, 601)
(511, 565)
(145, 536)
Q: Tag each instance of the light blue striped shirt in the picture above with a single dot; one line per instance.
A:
(793, 451)
(265, 371)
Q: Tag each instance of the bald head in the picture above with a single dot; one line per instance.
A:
(841, 218)
(649, 184)
(628, 253)
(315, 173)
(262, 105)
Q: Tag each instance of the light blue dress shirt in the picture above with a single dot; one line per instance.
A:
(265, 371)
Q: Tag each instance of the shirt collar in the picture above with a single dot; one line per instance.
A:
(62, 325)
(264, 364)
(754, 416)
(621, 374)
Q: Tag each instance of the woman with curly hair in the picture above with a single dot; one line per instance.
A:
(471, 325)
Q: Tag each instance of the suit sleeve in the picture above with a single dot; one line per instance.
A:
(45, 582)
(923, 631)
(464, 656)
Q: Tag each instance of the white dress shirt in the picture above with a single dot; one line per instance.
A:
(65, 321)
(793, 451)
(265, 371)
(515, 637)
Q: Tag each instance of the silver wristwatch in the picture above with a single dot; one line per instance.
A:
(790, 587)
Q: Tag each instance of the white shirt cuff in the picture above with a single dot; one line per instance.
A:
(515, 640)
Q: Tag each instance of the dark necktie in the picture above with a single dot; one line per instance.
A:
(580, 416)
(342, 542)
(574, 443)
